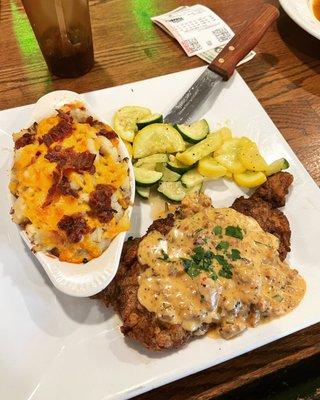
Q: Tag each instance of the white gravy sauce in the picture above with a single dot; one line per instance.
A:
(261, 285)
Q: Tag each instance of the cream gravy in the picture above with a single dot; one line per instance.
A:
(260, 286)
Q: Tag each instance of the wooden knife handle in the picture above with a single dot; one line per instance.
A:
(243, 42)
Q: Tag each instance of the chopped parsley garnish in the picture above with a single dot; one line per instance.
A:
(164, 257)
(223, 246)
(213, 275)
(234, 231)
(191, 268)
(226, 270)
(235, 255)
(201, 260)
(217, 230)
(225, 273)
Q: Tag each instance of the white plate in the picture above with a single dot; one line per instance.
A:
(54, 346)
(301, 13)
(80, 280)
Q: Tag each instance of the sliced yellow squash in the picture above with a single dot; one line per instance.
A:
(229, 146)
(211, 168)
(231, 162)
(157, 138)
(250, 156)
(225, 133)
(125, 121)
(250, 179)
(200, 150)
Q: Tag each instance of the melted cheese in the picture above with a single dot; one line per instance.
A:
(32, 178)
(261, 285)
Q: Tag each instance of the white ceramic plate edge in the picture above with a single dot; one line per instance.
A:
(311, 26)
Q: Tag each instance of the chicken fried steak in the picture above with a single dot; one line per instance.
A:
(216, 268)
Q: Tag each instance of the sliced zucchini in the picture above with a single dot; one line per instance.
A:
(157, 138)
(155, 158)
(125, 121)
(167, 174)
(144, 192)
(200, 150)
(250, 179)
(211, 168)
(195, 189)
(192, 178)
(150, 119)
(172, 190)
(176, 166)
(277, 166)
(194, 132)
(146, 177)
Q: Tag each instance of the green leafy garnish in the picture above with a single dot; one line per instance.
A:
(234, 231)
(198, 253)
(201, 260)
(226, 270)
(235, 255)
(217, 230)
(223, 246)
(191, 267)
(213, 275)
(164, 257)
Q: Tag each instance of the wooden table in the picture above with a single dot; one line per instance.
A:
(285, 77)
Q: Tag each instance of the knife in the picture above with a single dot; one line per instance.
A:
(222, 67)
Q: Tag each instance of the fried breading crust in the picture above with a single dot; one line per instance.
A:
(275, 189)
(138, 323)
(122, 293)
(262, 207)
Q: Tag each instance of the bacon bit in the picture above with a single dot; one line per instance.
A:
(28, 137)
(100, 203)
(110, 134)
(81, 162)
(75, 226)
(60, 131)
(65, 116)
(94, 122)
(60, 185)
(90, 121)
(24, 140)
(55, 251)
(66, 189)
(54, 189)
(68, 159)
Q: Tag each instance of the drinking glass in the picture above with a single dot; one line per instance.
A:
(63, 31)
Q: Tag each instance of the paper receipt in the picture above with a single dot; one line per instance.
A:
(198, 30)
